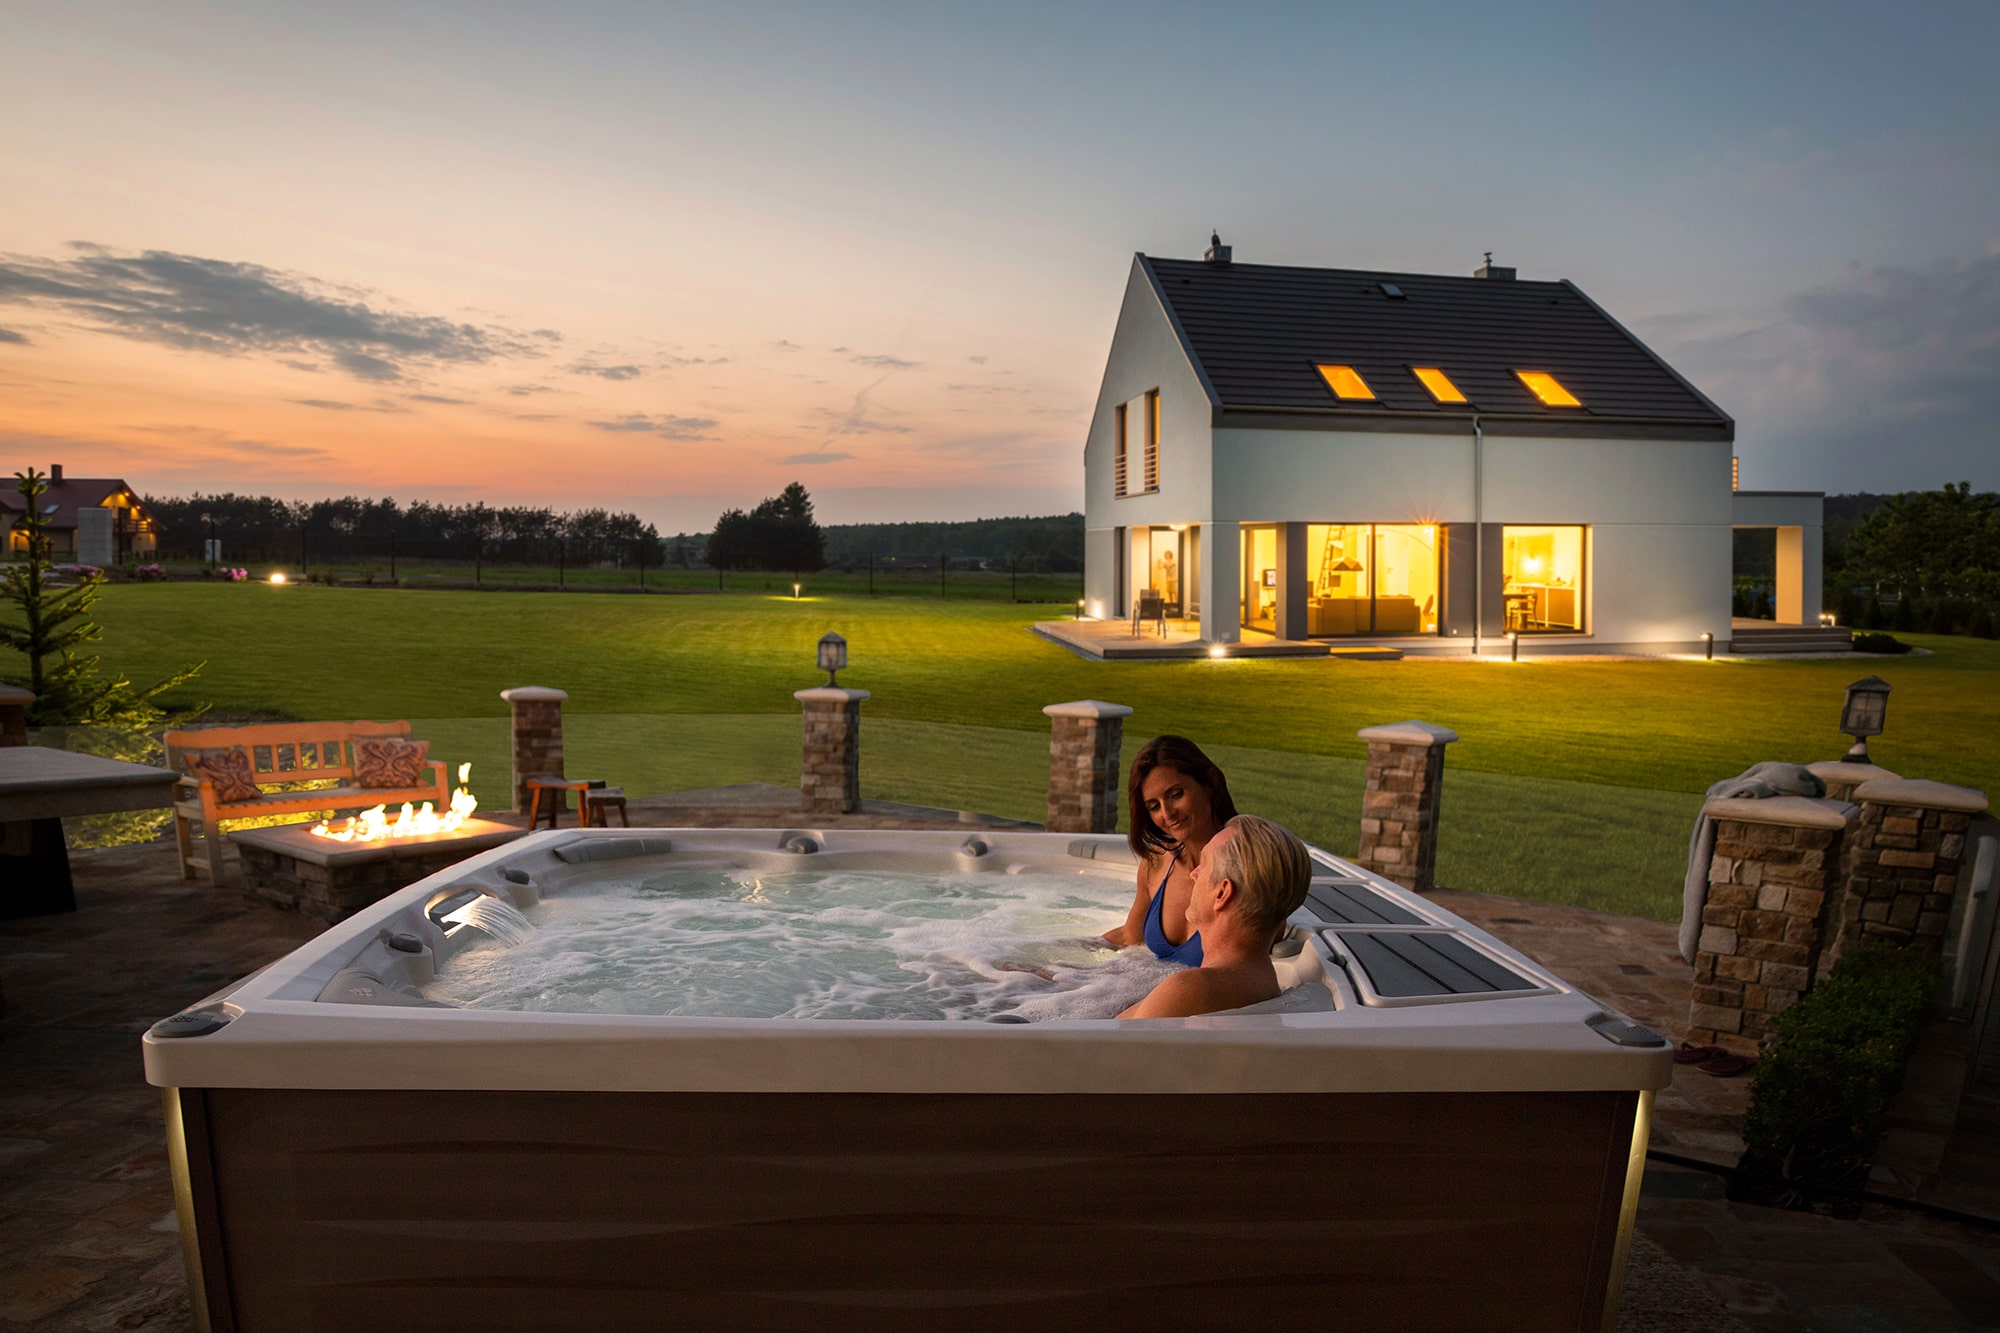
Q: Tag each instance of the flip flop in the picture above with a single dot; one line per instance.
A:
(1727, 1066)
(1690, 1054)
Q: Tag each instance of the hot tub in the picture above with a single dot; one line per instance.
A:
(1426, 1130)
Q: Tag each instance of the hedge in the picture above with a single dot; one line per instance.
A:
(1835, 1060)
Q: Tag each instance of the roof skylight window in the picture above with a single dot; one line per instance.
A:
(1345, 383)
(1439, 384)
(1543, 385)
(1392, 291)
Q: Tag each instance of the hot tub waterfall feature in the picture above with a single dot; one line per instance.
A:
(833, 1078)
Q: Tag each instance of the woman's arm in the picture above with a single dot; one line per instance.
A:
(1134, 929)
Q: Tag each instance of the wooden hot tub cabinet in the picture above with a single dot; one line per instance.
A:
(344, 1210)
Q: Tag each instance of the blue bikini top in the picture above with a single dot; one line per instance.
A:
(1189, 951)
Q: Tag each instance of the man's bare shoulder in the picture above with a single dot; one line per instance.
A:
(1182, 995)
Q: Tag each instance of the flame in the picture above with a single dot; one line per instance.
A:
(375, 825)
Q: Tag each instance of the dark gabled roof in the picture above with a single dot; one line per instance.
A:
(63, 498)
(1257, 331)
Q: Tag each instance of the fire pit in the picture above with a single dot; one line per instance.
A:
(315, 875)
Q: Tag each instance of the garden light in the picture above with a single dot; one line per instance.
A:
(278, 577)
(1708, 645)
(1217, 650)
(1862, 716)
(832, 655)
(795, 592)
(1513, 646)
(1079, 608)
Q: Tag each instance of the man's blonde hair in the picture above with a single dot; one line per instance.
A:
(1268, 866)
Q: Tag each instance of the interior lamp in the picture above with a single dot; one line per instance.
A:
(832, 656)
(1861, 717)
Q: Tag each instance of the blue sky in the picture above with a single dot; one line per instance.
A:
(880, 247)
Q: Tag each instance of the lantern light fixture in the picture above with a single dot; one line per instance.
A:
(832, 656)
(1862, 716)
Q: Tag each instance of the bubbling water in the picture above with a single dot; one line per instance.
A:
(832, 944)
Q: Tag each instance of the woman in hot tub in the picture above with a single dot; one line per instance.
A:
(1179, 801)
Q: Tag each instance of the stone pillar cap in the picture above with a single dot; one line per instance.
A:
(829, 694)
(1791, 811)
(1839, 770)
(1092, 708)
(15, 696)
(533, 694)
(1924, 794)
(1409, 733)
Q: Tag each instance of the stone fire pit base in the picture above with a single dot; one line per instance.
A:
(290, 868)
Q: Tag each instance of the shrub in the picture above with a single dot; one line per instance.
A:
(150, 573)
(1879, 643)
(1834, 1062)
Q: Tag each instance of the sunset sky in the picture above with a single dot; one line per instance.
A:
(668, 258)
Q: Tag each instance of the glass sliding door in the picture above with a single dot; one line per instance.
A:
(1167, 569)
(1406, 578)
(1260, 578)
(1372, 578)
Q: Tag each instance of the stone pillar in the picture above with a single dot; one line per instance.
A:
(1083, 765)
(830, 774)
(1903, 862)
(1399, 810)
(1841, 777)
(14, 703)
(1774, 864)
(538, 738)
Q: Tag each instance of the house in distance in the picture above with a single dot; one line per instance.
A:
(92, 521)
(1439, 462)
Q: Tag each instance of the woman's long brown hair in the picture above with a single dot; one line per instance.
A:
(1185, 757)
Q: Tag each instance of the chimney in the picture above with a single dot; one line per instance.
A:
(55, 474)
(1491, 270)
(1217, 252)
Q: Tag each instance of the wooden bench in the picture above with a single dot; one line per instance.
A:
(282, 753)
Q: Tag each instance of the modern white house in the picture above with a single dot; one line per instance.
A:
(1437, 463)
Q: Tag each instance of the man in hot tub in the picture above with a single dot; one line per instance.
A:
(1253, 875)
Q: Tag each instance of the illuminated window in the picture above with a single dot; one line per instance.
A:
(1118, 450)
(1439, 384)
(1153, 440)
(1542, 576)
(1345, 383)
(1371, 578)
(1543, 385)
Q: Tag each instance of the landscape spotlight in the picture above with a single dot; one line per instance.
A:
(1513, 646)
(1867, 705)
(278, 576)
(795, 592)
(1708, 644)
(1217, 650)
(1079, 608)
(832, 656)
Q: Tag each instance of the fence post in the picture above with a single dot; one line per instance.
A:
(830, 774)
(1399, 809)
(1084, 739)
(538, 738)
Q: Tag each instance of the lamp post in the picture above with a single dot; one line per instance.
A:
(832, 656)
(795, 592)
(1862, 716)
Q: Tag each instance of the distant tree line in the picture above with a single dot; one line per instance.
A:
(1054, 543)
(263, 528)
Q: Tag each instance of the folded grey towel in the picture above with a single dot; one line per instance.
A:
(1754, 783)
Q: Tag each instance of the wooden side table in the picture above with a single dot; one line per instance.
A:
(559, 787)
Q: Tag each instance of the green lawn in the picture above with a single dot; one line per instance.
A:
(1574, 781)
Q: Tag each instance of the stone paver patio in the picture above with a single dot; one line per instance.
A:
(87, 1236)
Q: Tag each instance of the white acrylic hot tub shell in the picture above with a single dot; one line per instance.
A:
(281, 1036)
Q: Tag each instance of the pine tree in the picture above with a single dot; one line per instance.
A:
(69, 690)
